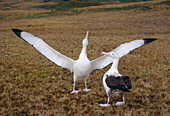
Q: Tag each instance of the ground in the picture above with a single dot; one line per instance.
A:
(32, 85)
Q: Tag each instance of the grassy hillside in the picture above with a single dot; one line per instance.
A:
(28, 10)
(98, 1)
(32, 85)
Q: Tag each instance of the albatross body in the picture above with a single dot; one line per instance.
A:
(81, 68)
(115, 84)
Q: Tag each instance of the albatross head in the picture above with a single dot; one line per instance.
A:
(85, 41)
(111, 54)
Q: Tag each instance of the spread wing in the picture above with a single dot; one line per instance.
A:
(126, 48)
(46, 50)
(101, 62)
(122, 50)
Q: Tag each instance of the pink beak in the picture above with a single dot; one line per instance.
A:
(108, 54)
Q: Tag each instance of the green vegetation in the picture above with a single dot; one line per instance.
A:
(97, 1)
(129, 1)
(32, 85)
(131, 7)
(68, 5)
(74, 8)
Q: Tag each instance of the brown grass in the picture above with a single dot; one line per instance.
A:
(32, 85)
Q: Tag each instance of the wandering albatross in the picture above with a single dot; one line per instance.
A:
(114, 83)
(81, 68)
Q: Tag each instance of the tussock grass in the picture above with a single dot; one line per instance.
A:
(32, 85)
(36, 10)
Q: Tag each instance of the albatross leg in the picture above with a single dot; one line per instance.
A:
(74, 91)
(86, 87)
(106, 105)
(121, 103)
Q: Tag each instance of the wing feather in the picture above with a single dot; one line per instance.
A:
(101, 62)
(126, 48)
(122, 50)
(114, 82)
(46, 50)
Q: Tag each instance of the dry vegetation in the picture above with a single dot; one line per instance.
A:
(32, 85)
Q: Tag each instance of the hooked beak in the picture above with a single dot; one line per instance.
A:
(87, 35)
(108, 54)
(85, 40)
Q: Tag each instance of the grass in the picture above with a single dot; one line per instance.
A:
(38, 10)
(68, 5)
(32, 85)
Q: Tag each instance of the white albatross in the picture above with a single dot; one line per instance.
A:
(114, 83)
(81, 68)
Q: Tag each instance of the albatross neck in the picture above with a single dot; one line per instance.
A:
(114, 67)
(83, 53)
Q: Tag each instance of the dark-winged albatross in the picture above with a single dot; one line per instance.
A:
(114, 83)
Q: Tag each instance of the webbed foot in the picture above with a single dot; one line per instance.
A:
(104, 105)
(86, 90)
(120, 103)
(75, 91)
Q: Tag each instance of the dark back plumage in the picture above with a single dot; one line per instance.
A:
(119, 82)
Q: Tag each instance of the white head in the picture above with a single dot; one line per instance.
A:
(111, 54)
(85, 41)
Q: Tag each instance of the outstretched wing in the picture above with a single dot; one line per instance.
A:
(101, 62)
(122, 50)
(46, 50)
(126, 48)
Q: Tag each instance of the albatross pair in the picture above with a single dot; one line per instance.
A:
(82, 67)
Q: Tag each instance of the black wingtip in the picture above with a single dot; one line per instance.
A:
(17, 32)
(149, 40)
